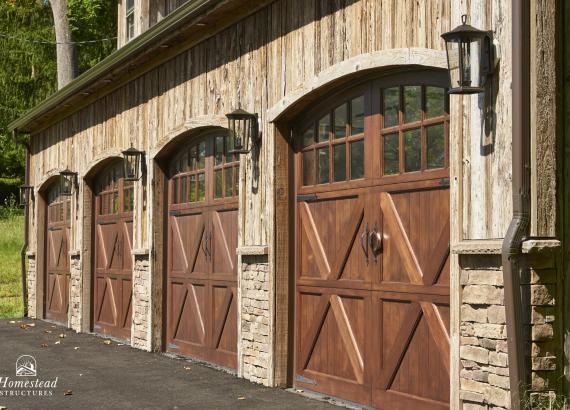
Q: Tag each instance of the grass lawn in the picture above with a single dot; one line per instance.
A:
(11, 240)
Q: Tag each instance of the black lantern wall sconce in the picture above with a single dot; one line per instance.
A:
(243, 132)
(67, 181)
(133, 164)
(26, 194)
(469, 58)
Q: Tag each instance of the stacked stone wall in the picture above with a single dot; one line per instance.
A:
(31, 283)
(75, 290)
(255, 319)
(484, 376)
(140, 330)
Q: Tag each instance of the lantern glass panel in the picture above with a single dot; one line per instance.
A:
(131, 163)
(464, 60)
(65, 183)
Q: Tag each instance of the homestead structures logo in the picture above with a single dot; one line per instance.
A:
(26, 366)
(26, 383)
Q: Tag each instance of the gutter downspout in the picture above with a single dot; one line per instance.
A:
(519, 226)
(26, 225)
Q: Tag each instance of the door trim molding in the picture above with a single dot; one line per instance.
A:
(353, 69)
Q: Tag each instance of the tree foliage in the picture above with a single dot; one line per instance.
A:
(28, 59)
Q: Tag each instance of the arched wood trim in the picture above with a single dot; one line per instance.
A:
(193, 127)
(97, 164)
(354, 68)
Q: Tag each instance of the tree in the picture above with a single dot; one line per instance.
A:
(66, 50)
(28, 69)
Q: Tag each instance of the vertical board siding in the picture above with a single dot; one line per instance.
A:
(269, 55)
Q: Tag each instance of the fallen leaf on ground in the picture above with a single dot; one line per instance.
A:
(67, 393)
(241, 398)
(58, 342)
(107, 342)
(62, 335)
(187, 368)
(11, 322)
(299, 391)
(44, 345)
(25, 326)
(2, 408)
(120, 344)
(48, 331)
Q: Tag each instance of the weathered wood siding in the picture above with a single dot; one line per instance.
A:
(269, 55)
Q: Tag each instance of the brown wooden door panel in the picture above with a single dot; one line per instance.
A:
(202, 261)
(325, 254)
(188, 310)
(372, 245)
(187, 252)
(332, 344)
(223, 244)
(58, 211)
(112, 310)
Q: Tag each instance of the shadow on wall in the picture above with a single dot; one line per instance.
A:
(489, 114)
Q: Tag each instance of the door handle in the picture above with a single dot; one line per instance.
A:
(209, 244)
(364, 242)
(204, 244)
(375, 241)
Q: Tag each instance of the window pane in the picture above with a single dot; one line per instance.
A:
(435, 146)
(309, 137)
(175, 190)
(219, 149)
(435, 101)
(309, 168)
(357, 159)
(201, 187)
(236, 180)
(340, 121)
(130, 4)
(324, 128)
(391, 106)
(323, 172)
(183, 189)
(218, 190)
(228, 181)
(391, 154)
(357, 115)
(202, 155)
(130, 26)
(412, 103)
(192, 158)
(339, 162)
(115, 203)
(413, 150)
(192, 189)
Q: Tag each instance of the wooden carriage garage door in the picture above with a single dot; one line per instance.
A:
(372, 255)
(114, 203)
(57, 278)
(202, 241)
